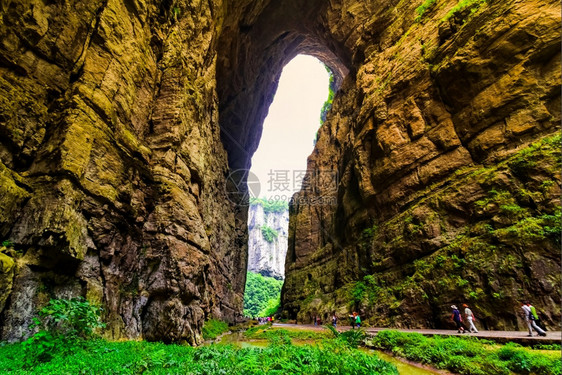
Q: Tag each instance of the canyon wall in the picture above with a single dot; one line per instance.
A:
(112, 168)
(447, 149)
(267, 240)
(122, 122)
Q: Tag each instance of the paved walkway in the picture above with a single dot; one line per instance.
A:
(500, 336)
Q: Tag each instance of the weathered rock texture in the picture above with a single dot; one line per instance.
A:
(120, 120)
(267, 257)
(441, 198)
(112, 169)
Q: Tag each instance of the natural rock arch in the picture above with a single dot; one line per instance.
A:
(251, 57)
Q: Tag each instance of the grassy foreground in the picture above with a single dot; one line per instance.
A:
(471, 356)
(137, 357)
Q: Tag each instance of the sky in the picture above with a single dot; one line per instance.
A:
(290, 127)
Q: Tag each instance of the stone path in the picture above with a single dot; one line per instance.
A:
(499, 336)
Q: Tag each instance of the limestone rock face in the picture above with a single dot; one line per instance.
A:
(442, 195)
(266, 255)
(121, 122)
(111, 166)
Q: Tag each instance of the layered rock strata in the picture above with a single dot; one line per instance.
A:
(447, 191)
(112, 169)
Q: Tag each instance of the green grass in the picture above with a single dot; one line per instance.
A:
(267, 332)
(213, 328)
(136, 357)
(468, 355)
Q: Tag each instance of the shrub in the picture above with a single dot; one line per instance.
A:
(269, 234)
(63, 324)
(353, 337)
(75, 317)
(467, 355)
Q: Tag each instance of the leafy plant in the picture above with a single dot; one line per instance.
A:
(269, 234)
(75, 317)
(353, 337)
(63, 325)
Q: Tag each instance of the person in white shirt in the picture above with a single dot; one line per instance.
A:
(470, 318)
(533, 317)
(530, 320)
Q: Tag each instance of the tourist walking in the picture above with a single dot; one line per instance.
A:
(457, 319)
(530, 317)
(334, 320)
(469, 316)
(356, 320)
(351, 321)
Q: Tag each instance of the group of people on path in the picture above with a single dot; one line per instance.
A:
(354, 320)
(266, 319)
(529, 314)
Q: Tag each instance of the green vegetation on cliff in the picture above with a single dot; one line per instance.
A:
(422, 9)
(468, 355)
(489, 235)
(262, 294)
(331, 93)
(470, 5)
(270, 205)
(269, 234)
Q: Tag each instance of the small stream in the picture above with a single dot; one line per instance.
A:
(238, 340)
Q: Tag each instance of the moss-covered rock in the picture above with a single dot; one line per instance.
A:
(7, 271)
